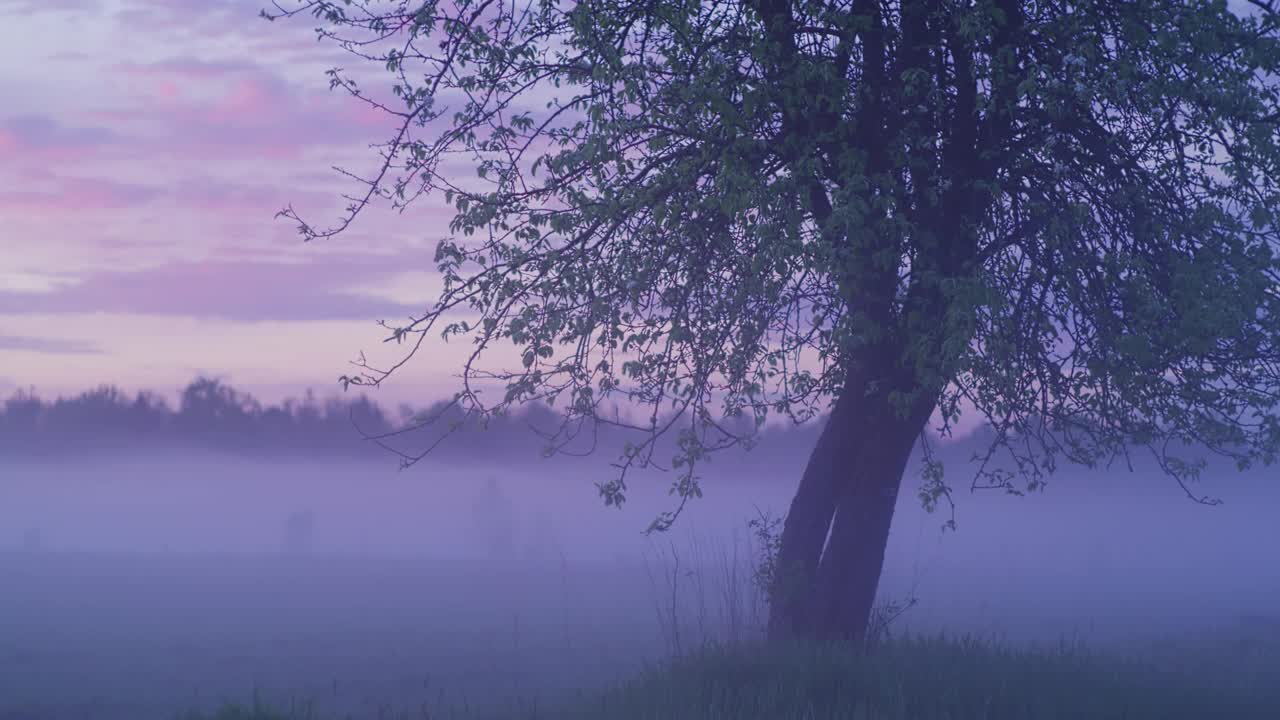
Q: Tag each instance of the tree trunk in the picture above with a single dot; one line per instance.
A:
(849, 571)
(808, 521)
(827, 572)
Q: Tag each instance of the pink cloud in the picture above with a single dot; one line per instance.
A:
(60, 346)
(180, 19)
(210, 195)
(161, 16)
(77, 194)
(184, 68)
(230, 289)
(34, 145)
(182, 142)
(168, 90)
(41, 132)
(248, 100)
(16, 7)
(239, 109)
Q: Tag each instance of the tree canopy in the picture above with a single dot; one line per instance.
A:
(1058, 215)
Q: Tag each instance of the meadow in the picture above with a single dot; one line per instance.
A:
(183, 601)
(258, 637)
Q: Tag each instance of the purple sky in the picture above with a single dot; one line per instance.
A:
(145, 146)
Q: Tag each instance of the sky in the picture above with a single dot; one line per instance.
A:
(145, 147)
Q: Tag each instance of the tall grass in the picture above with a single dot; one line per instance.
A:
(917, 678)
(709, 602)
(909, 678)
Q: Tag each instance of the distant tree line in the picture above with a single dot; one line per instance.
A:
(212, 415)
(209, 414)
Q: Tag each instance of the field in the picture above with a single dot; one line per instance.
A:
(1158, 609)
(142, 637)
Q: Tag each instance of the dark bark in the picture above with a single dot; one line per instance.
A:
(833, 541)
(849, 571)
(808, 521)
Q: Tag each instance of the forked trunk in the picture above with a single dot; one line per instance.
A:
(833, 541)
(808, 523)
(849, 570)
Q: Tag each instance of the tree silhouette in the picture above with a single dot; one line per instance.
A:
(210, 414)
(1057, 215)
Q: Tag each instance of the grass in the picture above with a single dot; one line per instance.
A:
(709, 614)
(256, 710)
(731, 674)
(919, 679)
(915, 678)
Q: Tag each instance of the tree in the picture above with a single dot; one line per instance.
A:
(1058, 215)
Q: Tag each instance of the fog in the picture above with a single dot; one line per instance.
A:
(134, 585)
